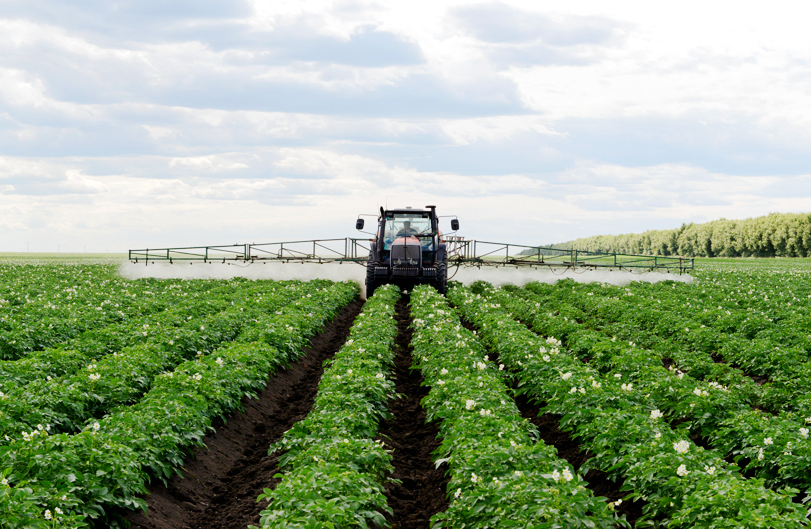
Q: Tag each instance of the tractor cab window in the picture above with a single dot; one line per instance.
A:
(406, 225)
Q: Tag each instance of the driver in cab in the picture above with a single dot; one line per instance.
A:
(407, 230)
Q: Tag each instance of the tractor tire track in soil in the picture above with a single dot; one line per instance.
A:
(421, 493)
(220, 483)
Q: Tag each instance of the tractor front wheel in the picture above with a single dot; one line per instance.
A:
(371, 281)
(441, 283)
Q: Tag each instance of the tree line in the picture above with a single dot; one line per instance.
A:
(774, 235)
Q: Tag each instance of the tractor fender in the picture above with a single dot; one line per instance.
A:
(441, 252)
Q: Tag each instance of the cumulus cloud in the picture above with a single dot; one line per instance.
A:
(147, 123)
(500, 22)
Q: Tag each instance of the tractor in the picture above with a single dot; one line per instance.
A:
(408, 249)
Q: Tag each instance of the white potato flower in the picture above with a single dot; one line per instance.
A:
(682, 447)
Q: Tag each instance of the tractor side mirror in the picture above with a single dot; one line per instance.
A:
(359, 224)
(455, 224)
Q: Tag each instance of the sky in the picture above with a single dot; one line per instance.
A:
(145, 123)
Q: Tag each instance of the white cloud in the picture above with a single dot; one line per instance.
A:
(534, 121)
(209, 163)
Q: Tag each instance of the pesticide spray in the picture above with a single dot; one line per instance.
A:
(504, 275)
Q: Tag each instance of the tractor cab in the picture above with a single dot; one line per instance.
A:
(407, 249)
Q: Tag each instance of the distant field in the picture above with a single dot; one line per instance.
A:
(61, 258)
(777, 263)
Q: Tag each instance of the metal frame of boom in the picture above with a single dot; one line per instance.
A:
(461, 252)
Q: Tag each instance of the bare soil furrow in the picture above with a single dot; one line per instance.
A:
(570, 450)
(219, 484)
(421, 493)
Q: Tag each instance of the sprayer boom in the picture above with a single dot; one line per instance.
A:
(408, 248)
(461, 252)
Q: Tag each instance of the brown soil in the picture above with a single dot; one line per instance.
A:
(759, 379)
(220, 483)
(569, 449)
(421, 493)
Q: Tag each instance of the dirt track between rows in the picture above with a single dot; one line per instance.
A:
(220, 483)
(421, 493)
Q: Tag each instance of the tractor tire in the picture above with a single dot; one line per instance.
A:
(441, 283)
(371, 282)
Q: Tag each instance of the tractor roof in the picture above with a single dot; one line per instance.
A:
(406, 211)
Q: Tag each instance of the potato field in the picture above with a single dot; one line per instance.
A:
(288, 404)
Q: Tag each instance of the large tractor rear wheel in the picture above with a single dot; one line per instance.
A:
(371, 282)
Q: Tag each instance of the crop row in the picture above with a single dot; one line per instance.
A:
(334, 466)
(154, 327)
(501, 474)
(773, 345)
(67, 402)
(750, 302)
(63, 480)
(773, 447)
(680, 481)
(43, 307)
(77, 352)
